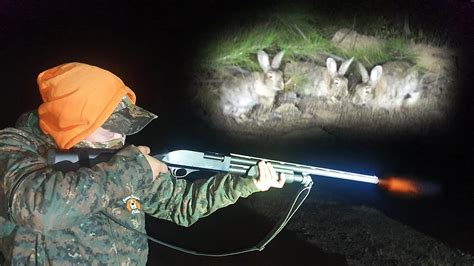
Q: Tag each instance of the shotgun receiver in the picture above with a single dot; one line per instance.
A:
(183, 162)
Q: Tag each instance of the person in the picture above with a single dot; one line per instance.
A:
(54, 217)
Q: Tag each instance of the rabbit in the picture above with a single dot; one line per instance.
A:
(326, 82)
(239, 94)
(393, 86)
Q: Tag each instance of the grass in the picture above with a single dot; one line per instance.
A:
(394, 48)
(303, 33)
(296, 35)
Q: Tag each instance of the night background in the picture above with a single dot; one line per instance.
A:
(153, 47)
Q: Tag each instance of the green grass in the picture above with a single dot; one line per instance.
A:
(395, 48)
(296, 35)
(302, 34)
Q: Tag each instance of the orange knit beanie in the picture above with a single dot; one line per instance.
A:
(78, 98)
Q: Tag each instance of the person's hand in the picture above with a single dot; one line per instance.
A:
(156, 165)
(268, 177)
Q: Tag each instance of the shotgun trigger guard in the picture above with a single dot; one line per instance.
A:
(180, 172)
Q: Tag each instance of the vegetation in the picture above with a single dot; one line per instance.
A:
(296, 34)
(395, 48)
(303, 33)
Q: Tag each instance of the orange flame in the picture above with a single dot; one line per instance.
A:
(400, 185)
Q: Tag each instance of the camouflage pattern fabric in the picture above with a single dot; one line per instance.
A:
(50, 217)
(127, 118)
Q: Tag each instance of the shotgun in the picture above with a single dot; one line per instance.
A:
(183, 162)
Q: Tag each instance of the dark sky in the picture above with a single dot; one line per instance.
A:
(149, 45)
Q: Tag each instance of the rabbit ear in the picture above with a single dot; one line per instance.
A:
(277, 60)
(263, 60)
(332, 67)
(375, 75)
(345, 66)
(363, 72)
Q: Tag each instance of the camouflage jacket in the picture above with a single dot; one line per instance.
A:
(54, 217)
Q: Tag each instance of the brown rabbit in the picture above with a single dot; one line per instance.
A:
(394, 85)
(241, 93)
(325, 82)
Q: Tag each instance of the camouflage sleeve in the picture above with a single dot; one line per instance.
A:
(41, 198)
(184, 202)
